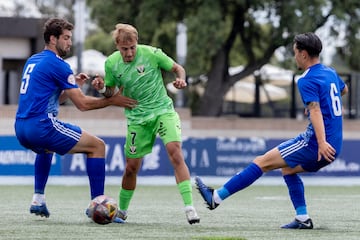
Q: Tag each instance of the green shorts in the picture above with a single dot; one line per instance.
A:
(140, 138)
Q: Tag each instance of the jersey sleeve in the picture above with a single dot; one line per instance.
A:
(64, 76)
(109, 78)
(165, 62)
(308, 90)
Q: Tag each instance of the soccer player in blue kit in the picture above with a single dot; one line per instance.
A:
(46, 82)
(321, 90)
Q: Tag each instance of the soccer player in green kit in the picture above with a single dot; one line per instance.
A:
(136, 70)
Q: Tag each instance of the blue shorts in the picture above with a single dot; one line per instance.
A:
(298, 151)
(47, 134)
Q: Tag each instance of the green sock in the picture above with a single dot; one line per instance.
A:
(185, 189)
(125, 198)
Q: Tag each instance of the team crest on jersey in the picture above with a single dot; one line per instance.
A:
(133, 149)
(140, 69)
(71, 79)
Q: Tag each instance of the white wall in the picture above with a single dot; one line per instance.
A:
(14, 48)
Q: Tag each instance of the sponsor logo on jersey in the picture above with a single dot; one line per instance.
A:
(140, 69)
(71, 79)
(133, 149)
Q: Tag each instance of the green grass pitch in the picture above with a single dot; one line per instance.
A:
(156, 212)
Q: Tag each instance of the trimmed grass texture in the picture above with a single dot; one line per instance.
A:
(156, 212)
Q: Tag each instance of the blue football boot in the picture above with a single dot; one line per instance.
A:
(297, 224)
(207, 193)
(39, 210)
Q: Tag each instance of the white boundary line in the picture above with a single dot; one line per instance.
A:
(169, 180)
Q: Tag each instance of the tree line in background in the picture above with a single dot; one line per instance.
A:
(224, 33)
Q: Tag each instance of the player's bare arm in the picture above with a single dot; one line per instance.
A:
(99, 84)
(180, 73)
(316, 118)
(85, 103)
(110, 92)
(80, 79)
(345, 90)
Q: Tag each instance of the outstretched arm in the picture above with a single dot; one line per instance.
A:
(345, 90)
(85, 103)
(81, 78)
(180, 73)
(325, 149)
(99, 84)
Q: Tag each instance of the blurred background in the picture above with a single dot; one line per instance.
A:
(227, 47)
(237, 54)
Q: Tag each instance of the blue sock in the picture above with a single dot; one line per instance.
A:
(296, 192)
(41, 172)
(240, 181)
(96, 171)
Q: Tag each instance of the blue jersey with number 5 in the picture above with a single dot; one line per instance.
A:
(323, 85)
(45, 76)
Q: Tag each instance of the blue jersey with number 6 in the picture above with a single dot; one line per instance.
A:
(45, 76)
(322, 84)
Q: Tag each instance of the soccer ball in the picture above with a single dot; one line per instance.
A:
(102, 209)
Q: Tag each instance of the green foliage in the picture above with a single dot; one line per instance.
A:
(347, 21)
(108, 13)
(164, 37)
(260, 25)
(206, 32)
(100, 41)
(223, 33)
(156, 22)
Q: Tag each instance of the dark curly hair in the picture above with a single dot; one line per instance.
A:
(55, 27)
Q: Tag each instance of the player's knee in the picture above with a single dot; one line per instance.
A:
(131, 169)
(177, 160)
(99, 148)
(265, 166)
(176, 157)
(101, 144)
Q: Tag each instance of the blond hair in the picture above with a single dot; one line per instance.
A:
(124, 33)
